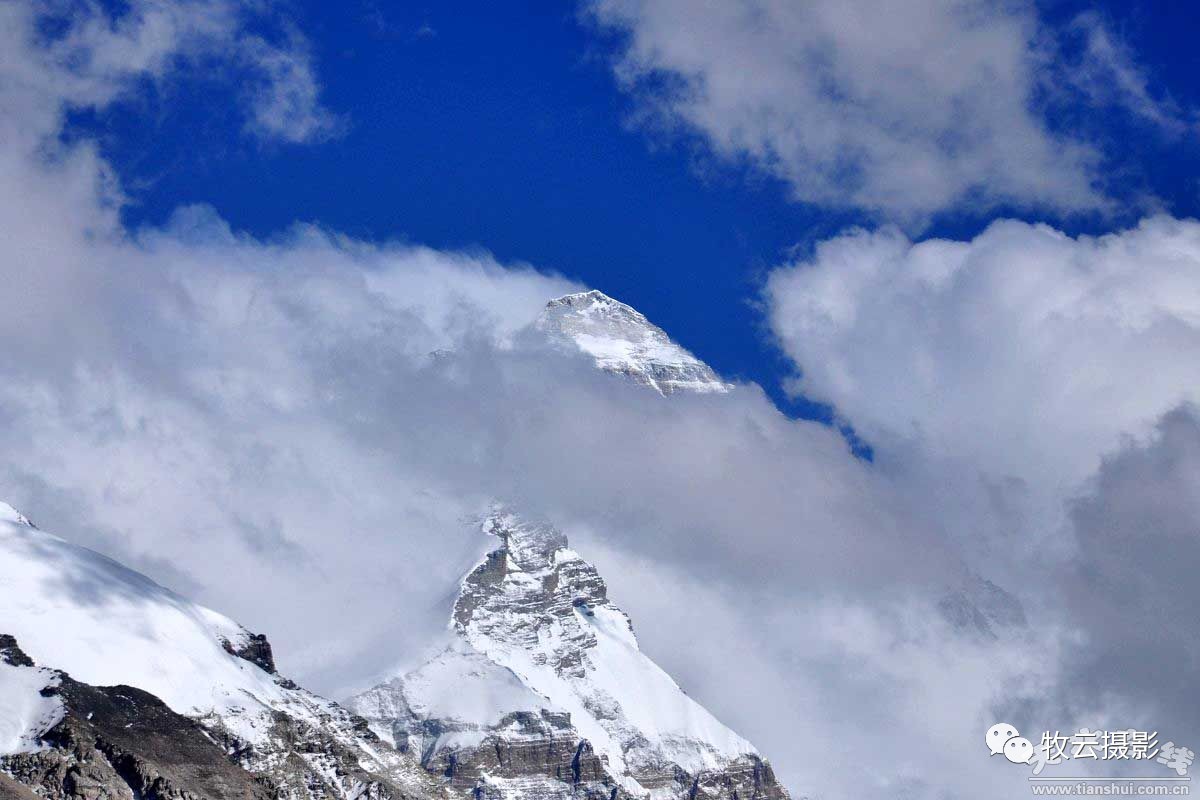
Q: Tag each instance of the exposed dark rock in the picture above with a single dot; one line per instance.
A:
(534, 745)
(11, 790)
(256, 650)
(308, 761)
(121, 742)
(750, 778)
(12, 654)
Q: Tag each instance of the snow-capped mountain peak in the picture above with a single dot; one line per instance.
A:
(621, 340)
(542, 693)
(79, 630)
(534, 624)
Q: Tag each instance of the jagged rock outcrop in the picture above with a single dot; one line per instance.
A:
(621, 340)
(122, 742)
(561, 702)
(533, 747)
(254, 648)
(11, 652)
(326, 752)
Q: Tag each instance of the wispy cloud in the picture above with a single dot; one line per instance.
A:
(284, 102)
(1100, 65)
(902, 109)
(89, 56)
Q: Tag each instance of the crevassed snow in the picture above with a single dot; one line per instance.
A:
(24, 713)
(76, 610)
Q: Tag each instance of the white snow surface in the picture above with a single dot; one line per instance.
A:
(546, 637)
(463, 685)
(622, 340)
(74, 610)
(24, 713)
(624, 701)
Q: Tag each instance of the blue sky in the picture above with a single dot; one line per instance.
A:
(502, 127)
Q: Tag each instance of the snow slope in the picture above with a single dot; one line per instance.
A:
(461, 684)
(579, 651)
(621, 340)
(26, 714)
(75, 610)
(537, 634)
(467, 693)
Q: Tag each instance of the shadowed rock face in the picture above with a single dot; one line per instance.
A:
(122, 742)
(564, 585)
(12, 654)
(538, 746)
(256, 649)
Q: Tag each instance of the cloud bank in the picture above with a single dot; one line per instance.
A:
(1037, 390)
(1024, 352)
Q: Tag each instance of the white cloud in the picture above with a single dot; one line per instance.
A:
(903, 109)
(258, 424)
(1025, 387)
(1022, 353)
(850, 697)
(285, 100)
(92, 57)
(1106, 71)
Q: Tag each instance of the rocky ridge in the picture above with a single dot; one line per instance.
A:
(121, 742)
(568, 706)
(113, 687)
